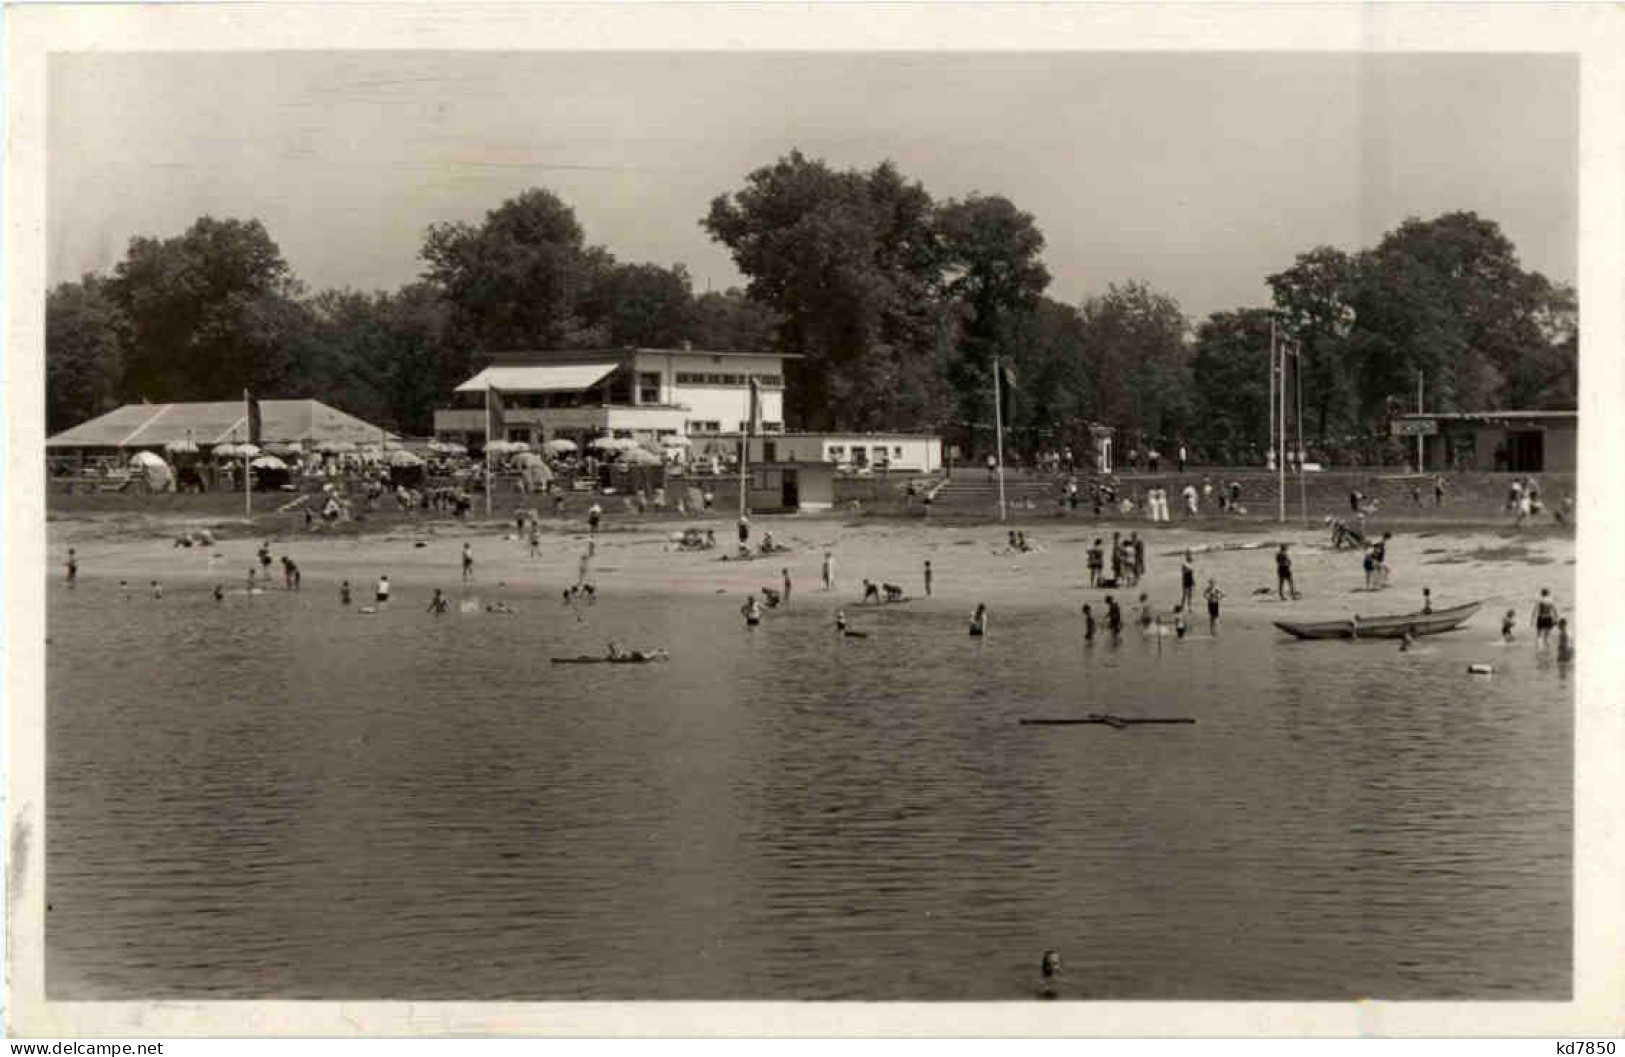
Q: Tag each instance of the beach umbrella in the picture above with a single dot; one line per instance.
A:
(402, 457)
(559, 446)
(639, 457)
(675, 441)
(268, 462)
(527, 459)
(337, 447)
(236, 451)
(612, 444)
(282, 447)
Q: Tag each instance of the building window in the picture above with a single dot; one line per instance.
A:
(705, 427)
(772, 427)
(770, 452)
(519, 434)
(649, 388)
(897, 452)
(689, 378)
(770, 381)
(837, 452)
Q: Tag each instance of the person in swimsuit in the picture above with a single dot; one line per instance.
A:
(344, 593)
(535, 540)
(1180, 626)
(840, 620)
(978, 621)
(468, 563)
(1137, 549)
(1187, 581)
(1544, 618)
(595, 514)
(437, 604)
(829, 571)
(744, 532)
(928, 578)
(219, 592)
(382, 594)
(73, 567)
(752, 611)
(265, 559)
(1096, 562)
(1146, 616)
(1565, 645)
(1408, 640)
(1214, 596)
(1283, 574)
(1427, 600)
(1114, 617)
(1088, 624)
(1507, 623)
(157, 589)
(785, 573)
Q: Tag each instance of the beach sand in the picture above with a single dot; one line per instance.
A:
(1498, 566)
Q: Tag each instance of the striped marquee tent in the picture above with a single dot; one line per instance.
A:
(153, 426)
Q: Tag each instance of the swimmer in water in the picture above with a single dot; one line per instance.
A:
(1214, 596)
(344, 593)
(1088, 624)
(73, 567)
(1049, 970)
(752, 611)
(1427, 600)
(219, 592)
(1146, 616)
(978, 621)
(840, 620)
(1409, 639)
(437, 604)
(1179, 621)
(1114, 617)
(1565, 645)
(1507, 624)
(1544, 618)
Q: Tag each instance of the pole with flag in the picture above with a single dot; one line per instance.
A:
(998, 426)
(251, 409)
(494, 427)
(753, 418)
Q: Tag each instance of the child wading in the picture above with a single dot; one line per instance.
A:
(928, 578)
(978, 621)
(1544, 618)
(1088, 624)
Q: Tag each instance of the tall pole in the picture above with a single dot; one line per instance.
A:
(1270, 444)
(744, 457)
(248, 483)
(1420, 376)
(1303, 484)
(1280, 419)
(487, 453)
(998, 430)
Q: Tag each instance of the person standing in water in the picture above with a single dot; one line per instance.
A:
(829, 571)
(752, 611)
(1507, 624)
(1147, 617)
(535, 539)
(595, 514)
(1187, 581)
(840, 620)
(928, 578)
(1214, 596)
(1088, 624)
(73, 567)
(344, 593)
(1180, 627)
(1114, 617)
(1544, 618)
(437, 604)
(1427, 600)
(381, 596)
(468, 563)
(1137, 549)
(1565, 645)
(1409, 639)
(744, 532)
(157, 589)
(219, 592)
(978, 621)
(786, 574)
(1096, 560)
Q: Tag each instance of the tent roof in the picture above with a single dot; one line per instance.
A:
(215, 422)
(559, 378)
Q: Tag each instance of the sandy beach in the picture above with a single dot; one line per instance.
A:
(1501, 567)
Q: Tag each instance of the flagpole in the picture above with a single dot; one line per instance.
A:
(1280, 420)
(1270, 455)
(248, 483)
(998, 430)
(1303, 483)
(488, 451)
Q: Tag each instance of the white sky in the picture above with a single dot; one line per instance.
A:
(1200, 173)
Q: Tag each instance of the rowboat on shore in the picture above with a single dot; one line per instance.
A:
(645, 658)
(1392, 627)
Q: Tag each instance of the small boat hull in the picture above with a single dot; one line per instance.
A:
(607, 660)
(1391, 627)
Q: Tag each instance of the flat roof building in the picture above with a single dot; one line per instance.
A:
(635, 394)
(1495, 441)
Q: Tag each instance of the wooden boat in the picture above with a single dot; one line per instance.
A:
(1382, 627)
(1106, 720)
(610, 660)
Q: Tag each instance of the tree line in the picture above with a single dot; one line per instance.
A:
(896, 305)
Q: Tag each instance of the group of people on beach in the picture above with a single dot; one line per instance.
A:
(1127, 561)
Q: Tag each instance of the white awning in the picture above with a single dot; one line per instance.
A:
(561, 378)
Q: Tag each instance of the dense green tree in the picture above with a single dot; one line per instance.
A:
(644, 305)
(849, 261)
(992, 272)
(1139, 371)
(1230, 381)
(84, 332)
(732, 322)
(522, 279)
(1314, 316)
(208, 313)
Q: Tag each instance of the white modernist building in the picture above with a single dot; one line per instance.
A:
(634, 394)
(856, 452)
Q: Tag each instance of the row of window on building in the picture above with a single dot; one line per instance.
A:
(767, 381)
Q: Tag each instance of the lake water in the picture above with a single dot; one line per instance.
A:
(281, 798)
